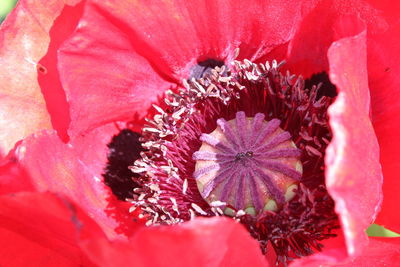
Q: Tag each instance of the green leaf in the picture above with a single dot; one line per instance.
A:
(377, 230)
(5, 7)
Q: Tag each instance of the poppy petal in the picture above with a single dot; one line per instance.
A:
(174, 35)
(104, 78)
(75, 170)
(353, 172)
(48, 78)
(380, 252)
(384, 69)
(24, 39)
(313, 35)
(201, 242)
(13, 178)
(308, 49)
(390, 9)
(42, 229)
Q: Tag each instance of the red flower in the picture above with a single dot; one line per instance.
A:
(83, 69)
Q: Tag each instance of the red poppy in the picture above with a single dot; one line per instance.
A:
(85, 67)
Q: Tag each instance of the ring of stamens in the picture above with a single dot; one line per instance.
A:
(168, 192)
(247, 163)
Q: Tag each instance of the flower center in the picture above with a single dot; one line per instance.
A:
(247, 163)
(246, 141)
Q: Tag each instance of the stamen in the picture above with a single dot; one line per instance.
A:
(246, 141)
(261, 168)
(204, 68)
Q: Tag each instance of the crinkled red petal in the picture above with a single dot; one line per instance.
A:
(380, 252)
(384, 82)
(388, 9)
(49, 78)
(329, 21)
(42, 230)
(174, 35)
(201, 242)
(353, 172)
(24, 38)
(13, 178)
(75, 170)
(307, 50)
(104, 78)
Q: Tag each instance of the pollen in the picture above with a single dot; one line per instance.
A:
(243, 140)
(248, 163)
